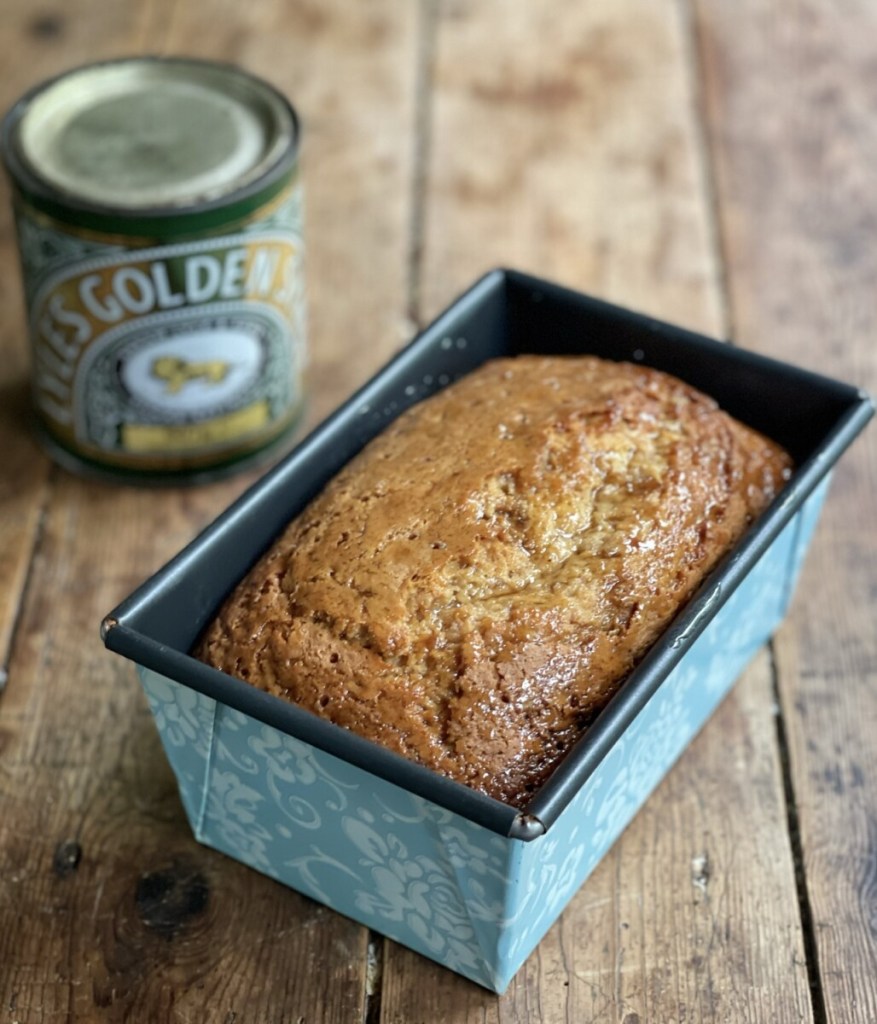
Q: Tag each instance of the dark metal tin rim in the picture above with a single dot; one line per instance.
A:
(28, 179)
(121, 633)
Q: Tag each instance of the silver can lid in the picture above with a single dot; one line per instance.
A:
(146, 133)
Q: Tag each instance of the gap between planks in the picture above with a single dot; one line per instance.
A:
(692, 33)
(374, 977)
(35, 546)
(694, 72)
(692, 37)
(427, 31)
(805, 910)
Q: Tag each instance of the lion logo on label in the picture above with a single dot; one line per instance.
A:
(198, 368)
(176, 372)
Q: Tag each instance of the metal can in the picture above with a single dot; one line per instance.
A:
(158, 208)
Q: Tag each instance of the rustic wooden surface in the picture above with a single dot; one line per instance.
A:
(795, 139)
(709, 163)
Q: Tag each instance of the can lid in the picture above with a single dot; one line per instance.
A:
(146, 133)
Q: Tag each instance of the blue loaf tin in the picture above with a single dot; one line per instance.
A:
(463, 879)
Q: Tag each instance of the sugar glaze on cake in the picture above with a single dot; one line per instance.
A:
(472, 588)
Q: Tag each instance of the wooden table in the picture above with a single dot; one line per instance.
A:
(707, 162)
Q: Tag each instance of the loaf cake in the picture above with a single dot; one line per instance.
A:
(473, 587)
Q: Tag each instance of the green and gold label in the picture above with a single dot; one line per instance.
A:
(162, 357)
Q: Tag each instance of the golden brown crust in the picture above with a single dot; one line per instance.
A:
(473, 587)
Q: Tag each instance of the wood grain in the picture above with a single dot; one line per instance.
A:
(569, 147)
(795, 141)
(23, 470)
(108, 908)
(564, 143)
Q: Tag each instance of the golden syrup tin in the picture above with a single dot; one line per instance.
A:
(158, 208)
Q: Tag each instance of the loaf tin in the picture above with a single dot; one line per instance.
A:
(158, 209)
(459, 877)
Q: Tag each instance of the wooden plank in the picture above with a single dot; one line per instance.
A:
(565, 142)
(108, 908)
(23, 470)
(795, 145)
